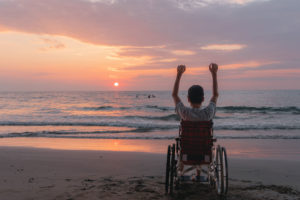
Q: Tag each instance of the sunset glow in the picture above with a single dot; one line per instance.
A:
(94, 94)
(71, 51)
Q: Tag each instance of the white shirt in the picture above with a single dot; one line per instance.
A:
(196, 114)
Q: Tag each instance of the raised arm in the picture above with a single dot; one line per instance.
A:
(180, 71)
(213, 68)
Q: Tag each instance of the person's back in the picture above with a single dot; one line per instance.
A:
(196, 98)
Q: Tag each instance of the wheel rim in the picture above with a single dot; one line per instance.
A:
(172, 169)
(225, 170)
(219, 171)
(167, 169)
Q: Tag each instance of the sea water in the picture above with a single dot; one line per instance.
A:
(145, 114)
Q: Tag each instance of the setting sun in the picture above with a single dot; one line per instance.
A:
(116, 84)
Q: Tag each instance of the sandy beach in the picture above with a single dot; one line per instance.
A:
(37, 173)
(112, 99)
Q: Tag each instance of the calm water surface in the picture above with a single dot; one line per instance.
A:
(133, 115)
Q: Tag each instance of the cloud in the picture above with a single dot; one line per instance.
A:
(52, 44)
(269, 29)
(249, 64)
(194, 4)
(161, 34)
(191, 3)
(148, 23)
(224, 47)
(183, 52)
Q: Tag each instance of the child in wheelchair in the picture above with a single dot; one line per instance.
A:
(194, 147)
(196, 111)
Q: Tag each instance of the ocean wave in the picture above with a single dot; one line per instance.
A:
(58, 133)
(226, 109)
(145, 126)
(151, 107)
(171, 117)
(256, 127)
(150, 137)
(162, 108)
(137, 125)
(238, 109)
(99, 108)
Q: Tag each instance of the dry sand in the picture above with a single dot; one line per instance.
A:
(29, 173)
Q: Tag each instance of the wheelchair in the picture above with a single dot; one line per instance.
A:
(195, 149)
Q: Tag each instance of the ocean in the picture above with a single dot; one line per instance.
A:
(145, 114)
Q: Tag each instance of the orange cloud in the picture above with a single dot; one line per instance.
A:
(249, 64)
(183, 52)
(52, 44)
(224, 47)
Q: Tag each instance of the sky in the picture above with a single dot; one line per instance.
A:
(91, 44)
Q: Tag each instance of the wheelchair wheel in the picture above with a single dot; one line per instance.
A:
(173, 169)
(219, 173)
(225, 170)
(168, 170)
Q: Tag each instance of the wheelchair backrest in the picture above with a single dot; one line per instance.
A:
(196, 141)
(196, 128)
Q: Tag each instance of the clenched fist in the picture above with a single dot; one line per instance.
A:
(213, 68)
(180, 69)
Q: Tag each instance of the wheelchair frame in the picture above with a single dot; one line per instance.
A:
(196, 141)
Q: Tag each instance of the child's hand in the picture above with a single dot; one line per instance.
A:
(180, 69)
(213, 68)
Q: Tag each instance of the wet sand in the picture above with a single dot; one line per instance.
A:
(36, 173)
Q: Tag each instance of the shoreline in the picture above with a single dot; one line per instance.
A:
(33, 173)
(267, 149)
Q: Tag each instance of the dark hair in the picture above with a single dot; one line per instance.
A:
(196, 94)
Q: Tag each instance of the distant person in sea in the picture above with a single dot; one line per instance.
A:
(196, 97)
